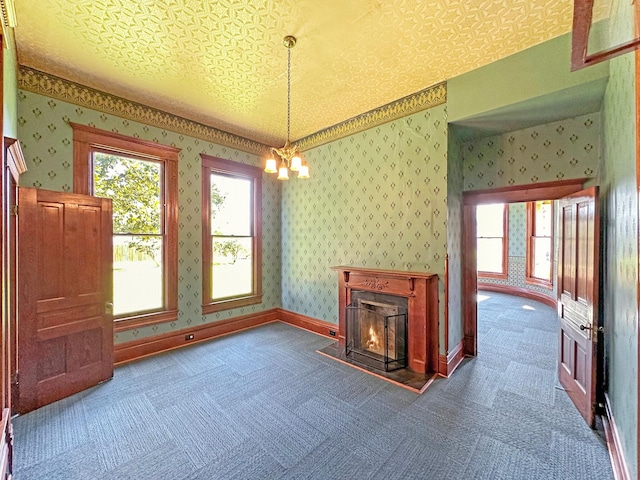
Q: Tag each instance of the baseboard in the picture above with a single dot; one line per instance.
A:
(144, 347)
(308, 323)
(618, 462)
(520, 292)
(448, 363)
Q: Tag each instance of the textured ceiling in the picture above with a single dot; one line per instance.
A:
(222, 63)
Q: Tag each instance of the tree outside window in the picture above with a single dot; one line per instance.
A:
(231, 234)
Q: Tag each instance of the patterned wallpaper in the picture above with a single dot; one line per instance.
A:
(454, 238)
(517, 229)
(620, 220)
(555, 151)
(48, 148)
(377, 199)
(516, 268)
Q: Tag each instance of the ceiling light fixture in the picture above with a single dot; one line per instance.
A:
(289, 155)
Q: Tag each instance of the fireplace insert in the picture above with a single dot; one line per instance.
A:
(376, 331)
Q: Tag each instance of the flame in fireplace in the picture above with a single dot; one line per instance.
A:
(373, 343)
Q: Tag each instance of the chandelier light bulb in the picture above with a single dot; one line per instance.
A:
(283, 173)
(296, 163)
(271, 166)
(303, 172)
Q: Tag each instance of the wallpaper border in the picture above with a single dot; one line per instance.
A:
(43, 83)
(414, 103)
(49, 85)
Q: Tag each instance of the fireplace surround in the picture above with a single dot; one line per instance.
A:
(420, 292)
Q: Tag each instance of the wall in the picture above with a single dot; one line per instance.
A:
(47, 142)
(532, 74)
(455, 183)
(560, 150)
(377, 199)
(10, 90)
(620, 276)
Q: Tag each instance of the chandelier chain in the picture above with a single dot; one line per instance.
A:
(288, 93)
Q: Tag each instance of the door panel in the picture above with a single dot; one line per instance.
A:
(578, 298)
(65, 280)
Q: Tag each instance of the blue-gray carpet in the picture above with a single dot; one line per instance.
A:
(262, 404)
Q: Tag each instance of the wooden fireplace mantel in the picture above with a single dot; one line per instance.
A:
(421, 291)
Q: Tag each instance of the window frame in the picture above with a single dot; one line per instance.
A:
(86, 141)
(211, 164)
(530, 254)
(505, 247)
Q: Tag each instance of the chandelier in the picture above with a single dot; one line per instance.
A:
(289, 155)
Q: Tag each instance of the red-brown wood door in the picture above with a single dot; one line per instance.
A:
(578, 298)
(65, 284)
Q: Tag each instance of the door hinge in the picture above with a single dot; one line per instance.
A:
(14, 210)
(14, 378)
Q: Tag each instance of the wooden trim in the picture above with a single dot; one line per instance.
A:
(524, 193)
(452, 360)
(15, 158)
(580, 58)
(144, 320)
(87, 140)
(520, 193)
(210, 165)
(520, 292)
(616, 453)
(144, 347)
(308, 323)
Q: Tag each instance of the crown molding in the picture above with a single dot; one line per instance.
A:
(55, 87)
(414, 103)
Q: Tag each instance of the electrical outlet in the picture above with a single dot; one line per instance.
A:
(332, 333)
(189, 336)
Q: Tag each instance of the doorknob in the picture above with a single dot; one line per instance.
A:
(108, 308)
(589, 327)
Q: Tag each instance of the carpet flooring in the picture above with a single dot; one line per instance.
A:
(262, 404)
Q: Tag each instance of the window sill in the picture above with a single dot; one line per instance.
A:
(144, 320)
(230, 303)
(496, 276)
(539, 282)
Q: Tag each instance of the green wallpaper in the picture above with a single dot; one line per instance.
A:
(376, 199)
(620, 276)
(554, 151)
(46, 139)
(455, 181)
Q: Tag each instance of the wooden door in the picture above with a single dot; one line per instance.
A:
(578, 281)
(65, 284)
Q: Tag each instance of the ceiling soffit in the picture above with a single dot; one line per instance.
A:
(222, 63)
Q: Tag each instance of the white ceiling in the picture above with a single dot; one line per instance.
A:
(222, 63)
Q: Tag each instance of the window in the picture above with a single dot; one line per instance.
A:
(539, 267)
(492, 244)
(231, 234)
(141, 179)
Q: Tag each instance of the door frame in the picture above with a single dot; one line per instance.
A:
(512, 194)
